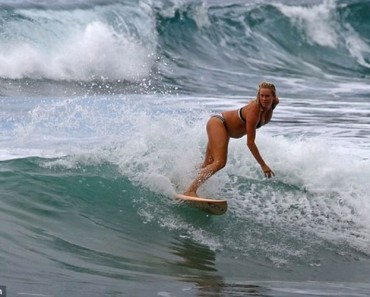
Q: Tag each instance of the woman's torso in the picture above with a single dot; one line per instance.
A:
(236, 127)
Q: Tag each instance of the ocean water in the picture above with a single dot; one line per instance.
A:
(102, 121)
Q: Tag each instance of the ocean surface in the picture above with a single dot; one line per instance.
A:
(103, 106)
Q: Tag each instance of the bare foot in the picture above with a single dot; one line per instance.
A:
(191, 194)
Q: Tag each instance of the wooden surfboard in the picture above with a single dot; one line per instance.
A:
(211, 206)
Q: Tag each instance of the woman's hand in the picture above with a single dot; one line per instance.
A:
(267, 171)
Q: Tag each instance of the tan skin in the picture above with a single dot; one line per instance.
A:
(219, 136)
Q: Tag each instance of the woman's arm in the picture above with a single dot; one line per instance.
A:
(256, 154)
(252, 120)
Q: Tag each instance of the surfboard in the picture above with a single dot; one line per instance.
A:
(211, 206)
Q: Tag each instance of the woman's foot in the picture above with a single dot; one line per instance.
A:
(191, 194)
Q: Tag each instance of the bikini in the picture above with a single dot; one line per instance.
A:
(220, 117)
(240, 114)
(241, 117)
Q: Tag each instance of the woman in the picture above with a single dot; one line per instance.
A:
(235, 124)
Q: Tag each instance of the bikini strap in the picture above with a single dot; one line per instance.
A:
(241, 116)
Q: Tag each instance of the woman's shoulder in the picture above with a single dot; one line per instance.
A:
(252, 106)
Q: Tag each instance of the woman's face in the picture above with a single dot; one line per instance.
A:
(266, 97)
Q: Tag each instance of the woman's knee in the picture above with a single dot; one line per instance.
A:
(219, 164)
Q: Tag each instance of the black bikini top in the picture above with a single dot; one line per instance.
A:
(240, 114)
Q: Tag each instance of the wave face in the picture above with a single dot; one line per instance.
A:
(103, 226)
(156, 46)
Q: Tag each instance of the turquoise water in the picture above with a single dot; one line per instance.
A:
(103, 112)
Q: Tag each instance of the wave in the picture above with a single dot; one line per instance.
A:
(289, 221)
(93, 42)
(228, 45)
(320, 40)
(137, 152)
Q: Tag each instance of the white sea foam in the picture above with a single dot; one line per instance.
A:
(357, 47)
(319, 186)
(93, 53)
(79, 45)
(316, 21)
(320, 24)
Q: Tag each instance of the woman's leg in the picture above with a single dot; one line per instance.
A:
(208, 158)
(216, 154)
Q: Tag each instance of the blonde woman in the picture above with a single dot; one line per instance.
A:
(235, 124)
